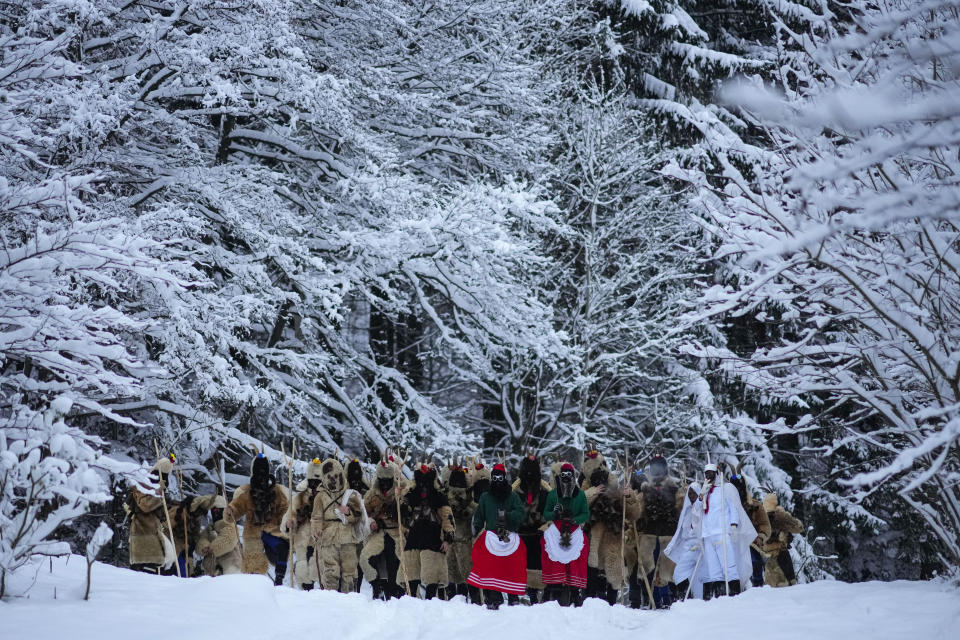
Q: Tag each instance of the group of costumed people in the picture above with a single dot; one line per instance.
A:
(467, 529)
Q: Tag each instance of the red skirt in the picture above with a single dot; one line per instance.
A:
(572, 573)
(504, 573)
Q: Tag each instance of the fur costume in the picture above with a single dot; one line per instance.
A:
(297, 523)
(661, 501)
(782, 527)
(463, 506)
(337, 534)
(192, 515)
(381, 507)
(221, 552)
(150, 541)
(605, 527)
(148, 530)
(261, 514)
(428, 523)
(533, 492)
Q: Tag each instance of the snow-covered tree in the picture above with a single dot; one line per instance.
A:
(843, 230)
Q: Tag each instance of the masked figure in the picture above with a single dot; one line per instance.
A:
(532, 491)
(221, 552)
(564, 547)
(428, 532)
(296, 523)
(261, 504)
(379, 558)
(605, 575)
(339, 524)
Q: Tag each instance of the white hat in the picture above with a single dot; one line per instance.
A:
(710, 467)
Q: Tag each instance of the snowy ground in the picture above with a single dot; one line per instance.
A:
(125, 604)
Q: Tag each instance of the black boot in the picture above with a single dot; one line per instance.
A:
(414, 588)
(493, 599)
(707, 590)
(378, 586)
(432, 591)
(533, 595)
(566, 596)
(281, 572)
(576, 597)
(307, 586)
(734, 586)
(463, 591)
(513, 599)
(475, 596)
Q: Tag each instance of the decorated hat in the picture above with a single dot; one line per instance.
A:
(710, 467)
(313, 469)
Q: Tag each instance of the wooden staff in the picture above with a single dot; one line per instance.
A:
(186, 534)
(623, 514)
(396, 489)
(166, 512)
(293, 515)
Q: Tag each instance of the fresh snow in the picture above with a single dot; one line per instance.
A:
(125, 604)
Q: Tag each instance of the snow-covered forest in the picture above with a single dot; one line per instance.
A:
(714, 227)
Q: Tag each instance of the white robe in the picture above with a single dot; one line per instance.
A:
(740, 537)
(684, 548)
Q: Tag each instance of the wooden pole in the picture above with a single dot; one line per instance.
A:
(186, 520)
(166, 512)
(397, 475)
(293, 515)
(623, 520)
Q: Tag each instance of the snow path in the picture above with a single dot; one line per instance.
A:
(125, 604)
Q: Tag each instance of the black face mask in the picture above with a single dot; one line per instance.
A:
(658, 469)
(313, 484)
(216, 514)
(385, 484)
(566, 486)
(499, 487)
(599, 477)
(458, 479)
(480, 487)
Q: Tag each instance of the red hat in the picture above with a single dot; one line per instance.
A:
(424, 469)
(499, 467)
(567, 467)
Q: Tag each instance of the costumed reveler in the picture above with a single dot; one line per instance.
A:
(662, 502)
(339, 524)
(428, 531)
(564, 547)
(499, 555)
(779, 571)
(187, 520)
(379, 558)
(726, 533)
(261, 504)
(532, 491)
(221, 552)
(151, 548)
(463, 506)
(604, 529)
(761, 522)
(296, 522)
(684, 549)
(357, 481)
